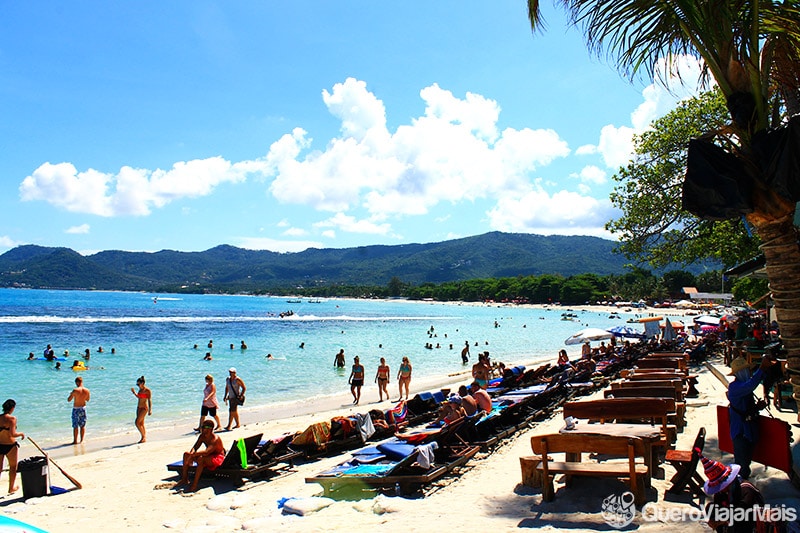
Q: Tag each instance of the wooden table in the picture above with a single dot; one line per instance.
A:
(650, 435)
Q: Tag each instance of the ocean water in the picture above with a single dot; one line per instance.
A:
(154, 335)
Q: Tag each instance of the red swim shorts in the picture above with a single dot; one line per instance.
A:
(216, 460)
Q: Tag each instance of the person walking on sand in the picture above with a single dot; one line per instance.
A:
(8, 443)
(382, 379)
(79, 396)
(209, 459)
(356, 380)
(234, 397)
(210, 404)
(404, 377)
(144, 406)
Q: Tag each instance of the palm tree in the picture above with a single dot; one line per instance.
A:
(751, 48)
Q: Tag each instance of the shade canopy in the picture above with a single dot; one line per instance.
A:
(707, 319)
(588, 334)
(625, 332)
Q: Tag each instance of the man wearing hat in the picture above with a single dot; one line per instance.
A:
(729, 492)
(744, 410)
(234, 397)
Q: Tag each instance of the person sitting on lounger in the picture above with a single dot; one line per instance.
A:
(482, 397)
(467, 401)
(210, 458)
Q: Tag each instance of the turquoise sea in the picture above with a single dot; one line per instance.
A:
(154, 335)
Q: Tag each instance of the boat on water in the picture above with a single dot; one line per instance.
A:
(293, 301)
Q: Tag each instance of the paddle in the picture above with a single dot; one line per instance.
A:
(70, 478)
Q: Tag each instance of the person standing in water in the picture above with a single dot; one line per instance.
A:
(382, 379)
(79, 396)
(404, 377)
(338, 362)
(8, 443)
(144, 406)
(356, 380)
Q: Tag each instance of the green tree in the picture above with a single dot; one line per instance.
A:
(676, 280)
(653, 228)
(395, 287)
(751, 48)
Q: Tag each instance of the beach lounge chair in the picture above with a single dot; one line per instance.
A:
(396, 464)
(238, 464)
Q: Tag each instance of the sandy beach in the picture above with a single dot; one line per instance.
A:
(126, 486)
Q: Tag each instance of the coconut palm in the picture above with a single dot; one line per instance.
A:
(751, 49)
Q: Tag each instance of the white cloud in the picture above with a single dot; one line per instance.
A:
(274, 245)
(7, 242)
(586, 149)
(295, 232)
(452, 153)
(350, 224)
(616, 145)
(680, 79)
(329, 234)
(591, 174)
(131, 191)
(76, 230)
(563, 213)
(284, 224)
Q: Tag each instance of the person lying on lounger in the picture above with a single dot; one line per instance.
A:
(210, 458)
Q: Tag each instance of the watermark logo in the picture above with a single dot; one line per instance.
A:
(619, 511)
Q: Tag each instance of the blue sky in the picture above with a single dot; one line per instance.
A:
(285, 125)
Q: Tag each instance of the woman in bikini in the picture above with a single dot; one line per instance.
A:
(8, 442)
(382, 379)
(404, 377)
(210, 403)
(144, 406)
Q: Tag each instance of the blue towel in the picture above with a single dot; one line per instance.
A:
(396, 450)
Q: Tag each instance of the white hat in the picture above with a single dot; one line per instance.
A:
(232, 370)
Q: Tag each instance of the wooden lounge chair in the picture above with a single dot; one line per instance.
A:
(231, 466)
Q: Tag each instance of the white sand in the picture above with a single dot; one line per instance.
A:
(126, 486)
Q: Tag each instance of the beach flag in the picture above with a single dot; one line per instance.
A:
(399, 411)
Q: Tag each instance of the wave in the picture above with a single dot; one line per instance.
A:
(49, 319)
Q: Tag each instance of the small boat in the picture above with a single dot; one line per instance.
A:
(292, 301)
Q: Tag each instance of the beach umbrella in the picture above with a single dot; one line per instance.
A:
(625, 332)
(588, 334)
(707, 320)
(669, 331)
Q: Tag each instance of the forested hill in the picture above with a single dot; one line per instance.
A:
(227, 268)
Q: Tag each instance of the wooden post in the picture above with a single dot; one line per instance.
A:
(530, 477)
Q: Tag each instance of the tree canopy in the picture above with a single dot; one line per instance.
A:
(653, 227)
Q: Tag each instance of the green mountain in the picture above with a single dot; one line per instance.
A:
(229, 268)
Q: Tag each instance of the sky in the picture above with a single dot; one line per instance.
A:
(188, 124)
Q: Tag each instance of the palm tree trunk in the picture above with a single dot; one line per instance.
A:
(782, 253)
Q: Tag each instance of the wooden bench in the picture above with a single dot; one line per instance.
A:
(653, 410)
(679, 419)
(677, 384)
(631, 448)
(666, 363)
(689, 380)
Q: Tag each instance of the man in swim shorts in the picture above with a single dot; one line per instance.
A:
(209, 459)
(79, 396)
(356, 380)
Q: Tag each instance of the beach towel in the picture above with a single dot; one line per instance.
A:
(399, 411)
(316, 435)
(425, 458)
(365, 427)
